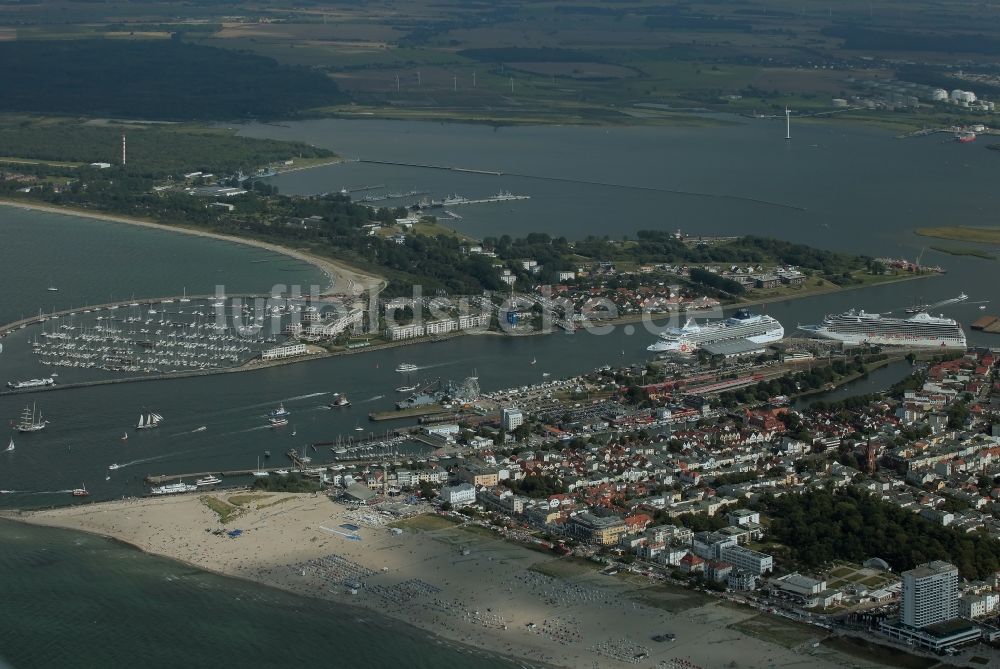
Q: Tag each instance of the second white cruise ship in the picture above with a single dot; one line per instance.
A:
(743, 324)
(859, 327)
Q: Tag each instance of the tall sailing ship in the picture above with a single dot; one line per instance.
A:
(859, 327)
(743, 324)
(148, 421)
(31, 421)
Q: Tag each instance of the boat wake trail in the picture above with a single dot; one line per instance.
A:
(372, 399)
(152, 459)
(157, 458)
(304, 397)
(138, 462)
(953, 300)
(45, 492)
(439, 364)
(271, 403)
(250, 429)
(194, 431)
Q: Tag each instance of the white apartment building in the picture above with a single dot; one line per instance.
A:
(459, 495)
(512, 419)
(930, 594)
(748, 560)
(286, 351)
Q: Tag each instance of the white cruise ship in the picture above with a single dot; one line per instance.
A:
(858, 327)
(743, 324)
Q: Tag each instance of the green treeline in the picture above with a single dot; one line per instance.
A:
(289, 483)
(820, 526)
(660, 246)
(537, 486)
(152, 151)
(154, 79)
(870, 39)
(717, 281)
(792, 384)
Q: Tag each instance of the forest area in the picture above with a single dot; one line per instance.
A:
(167, 80)
(820, 526)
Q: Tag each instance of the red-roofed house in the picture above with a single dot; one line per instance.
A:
(637, 522)
(692, 564)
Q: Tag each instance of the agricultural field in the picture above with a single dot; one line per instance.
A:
(583, 61)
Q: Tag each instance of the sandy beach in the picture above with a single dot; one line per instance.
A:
(341, 279)
(459, 582)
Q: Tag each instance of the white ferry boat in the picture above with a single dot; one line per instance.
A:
(406, 367)
(31, 383)
(173, 489)
(743, 324)
(859, 327)
(208, 480)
